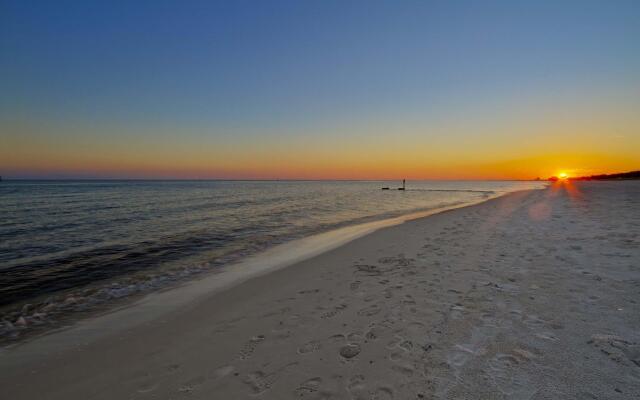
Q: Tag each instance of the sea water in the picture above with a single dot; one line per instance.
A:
(101, 240)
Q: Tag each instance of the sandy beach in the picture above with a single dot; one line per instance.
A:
(534, 295)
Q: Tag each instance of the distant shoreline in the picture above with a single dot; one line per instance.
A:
(624, 176)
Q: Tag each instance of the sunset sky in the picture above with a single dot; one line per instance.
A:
(319, 89)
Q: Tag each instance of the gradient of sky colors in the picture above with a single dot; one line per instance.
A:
(318, 89)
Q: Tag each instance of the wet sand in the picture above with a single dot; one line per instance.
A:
(534, 295)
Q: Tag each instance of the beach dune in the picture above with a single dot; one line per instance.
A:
(533, 295)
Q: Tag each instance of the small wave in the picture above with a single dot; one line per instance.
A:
(47, 300)
(68, 260)
(490, 192)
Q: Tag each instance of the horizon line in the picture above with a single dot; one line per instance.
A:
(5, 179)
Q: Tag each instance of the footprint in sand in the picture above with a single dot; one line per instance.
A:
(249, 347)
(350, 350)
(408, 300)
(261, 381)
(356, 386)
(147, 388)
(370, 311)
(309, 386)
(534, 322)
(367, 270)
(191, 385)
(404, 370)
(416, 328)
(617, 349)
(370, 298)
(309, 291)
(400, 260)
(309, 347)
(406, 345)
(185, 389)
(373, 333)
(394, 342)
(332, 313)
(338, 338)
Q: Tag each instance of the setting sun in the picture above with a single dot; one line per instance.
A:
(563, 175)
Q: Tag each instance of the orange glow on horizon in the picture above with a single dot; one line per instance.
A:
(414, 153)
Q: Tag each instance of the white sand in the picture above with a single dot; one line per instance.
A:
(532, 295)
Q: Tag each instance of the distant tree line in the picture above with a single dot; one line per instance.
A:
(603, 177)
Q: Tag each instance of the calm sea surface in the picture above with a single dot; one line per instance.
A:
(127, 236)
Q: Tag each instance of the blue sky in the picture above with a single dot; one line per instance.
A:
(246, 69)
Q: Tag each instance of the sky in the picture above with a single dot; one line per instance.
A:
(318, 89)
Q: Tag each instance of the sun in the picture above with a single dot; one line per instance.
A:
(563, 175)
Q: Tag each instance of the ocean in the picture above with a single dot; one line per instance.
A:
(76, 244)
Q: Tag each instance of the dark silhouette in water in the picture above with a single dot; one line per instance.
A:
(400, 188)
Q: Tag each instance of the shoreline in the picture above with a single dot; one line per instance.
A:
(104, 319)
(529, 295)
